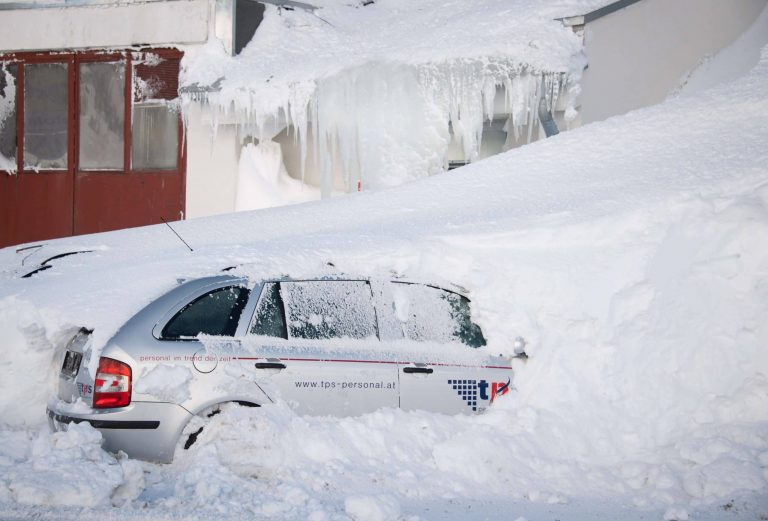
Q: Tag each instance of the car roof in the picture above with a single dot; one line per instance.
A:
(247, 278)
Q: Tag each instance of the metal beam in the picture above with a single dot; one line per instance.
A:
(571, 21)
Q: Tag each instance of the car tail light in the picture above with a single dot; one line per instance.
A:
(113, 384)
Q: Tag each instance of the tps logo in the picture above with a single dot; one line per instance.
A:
(473, 390)
(84, 389)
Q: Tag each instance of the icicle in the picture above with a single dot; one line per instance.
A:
(385, 123)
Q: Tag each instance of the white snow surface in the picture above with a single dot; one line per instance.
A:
(632, 254)
(262, 181)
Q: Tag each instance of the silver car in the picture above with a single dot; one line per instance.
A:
(331, 346)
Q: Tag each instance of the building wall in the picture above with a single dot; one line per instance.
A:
(639, 54)
(212, 164)
(143, 24)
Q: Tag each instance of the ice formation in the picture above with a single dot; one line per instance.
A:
(383, 124)
(374, 112)
(7, 106)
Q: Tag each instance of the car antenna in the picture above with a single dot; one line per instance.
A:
(176, 234)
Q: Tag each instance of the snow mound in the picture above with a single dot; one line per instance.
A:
(632, 254)
(65, 469)
(263, 181)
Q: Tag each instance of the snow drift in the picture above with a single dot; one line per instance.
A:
(632, 255)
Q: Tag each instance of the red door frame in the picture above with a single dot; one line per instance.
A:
(40, 201)
(39, 206)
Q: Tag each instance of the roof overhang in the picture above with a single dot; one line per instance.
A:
(575, 21)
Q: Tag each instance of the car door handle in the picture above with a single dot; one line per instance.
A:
(269, 365)
(421, 370)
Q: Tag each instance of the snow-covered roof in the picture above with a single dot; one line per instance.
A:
(299, 46)
(332, 71)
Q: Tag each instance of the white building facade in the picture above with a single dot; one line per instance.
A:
(97, 132)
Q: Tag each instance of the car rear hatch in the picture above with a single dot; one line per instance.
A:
(74, 380)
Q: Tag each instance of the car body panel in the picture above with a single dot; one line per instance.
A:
(338, 376)
(148, 431)
(454, 388)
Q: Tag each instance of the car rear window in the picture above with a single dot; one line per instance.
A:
(430, 314)
(329, 309)
(215, 313)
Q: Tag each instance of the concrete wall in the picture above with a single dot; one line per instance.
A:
(154, 23)
(639, 54)
(212, 165)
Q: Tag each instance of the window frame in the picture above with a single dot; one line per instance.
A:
(184, 298)
(19, 70)
(159, 329)
(42, 58)
(125, 58)
(73, 59)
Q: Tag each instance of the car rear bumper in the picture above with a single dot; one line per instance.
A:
(143, 430)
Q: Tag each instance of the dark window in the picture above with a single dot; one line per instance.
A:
(269, 318)
(248, 17)
(8, 135)
(215, 313)
(430, 314)
(46, 116)
(329, 309)
(102, 115)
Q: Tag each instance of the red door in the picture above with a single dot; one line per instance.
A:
(148, 185)
(97, 143)
(37, 198)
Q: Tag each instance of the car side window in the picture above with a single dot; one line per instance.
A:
(430, 314)
(269, 317)
(329, 309)
(215, 313)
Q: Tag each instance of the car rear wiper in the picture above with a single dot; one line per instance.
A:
(45, 264)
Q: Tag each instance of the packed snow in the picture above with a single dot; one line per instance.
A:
(632, 255)
(262, 181)
(378, 104)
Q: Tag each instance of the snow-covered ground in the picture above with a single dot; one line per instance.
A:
(631, 254)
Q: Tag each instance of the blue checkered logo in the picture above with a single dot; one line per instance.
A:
(472, 390)
(467, 390)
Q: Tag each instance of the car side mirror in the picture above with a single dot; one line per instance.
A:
(519, 347)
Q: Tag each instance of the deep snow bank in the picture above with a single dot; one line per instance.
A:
(632, 254)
